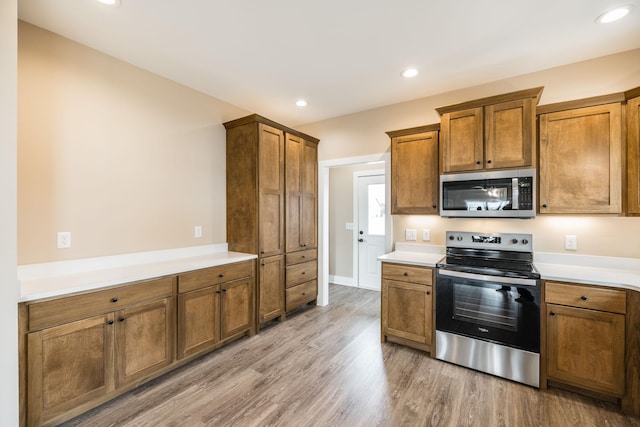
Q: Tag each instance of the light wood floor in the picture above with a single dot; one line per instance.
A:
(325, 366)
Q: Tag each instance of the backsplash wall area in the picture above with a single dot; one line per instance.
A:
(601, 236)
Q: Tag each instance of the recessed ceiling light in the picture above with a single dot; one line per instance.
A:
(301, 103)
(614, 14)
(110, 2)
(409, 72)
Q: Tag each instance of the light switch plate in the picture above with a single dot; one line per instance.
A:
(410, 234)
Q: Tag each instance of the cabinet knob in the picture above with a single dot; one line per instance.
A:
(478, 162)
(428, 293)
(110, 322)
(434, 206)
(224, 290)
(552, 313)
(303, 257)
(121, 319)
(488, 161)
(583, 298)
(221, 275)
(544, 205)
(405, 274)
(304, 272)
(218, 292)
(304, 293)
(114, 299)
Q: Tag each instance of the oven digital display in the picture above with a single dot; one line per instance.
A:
(486, 239)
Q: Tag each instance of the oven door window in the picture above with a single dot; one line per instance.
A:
(492, 306)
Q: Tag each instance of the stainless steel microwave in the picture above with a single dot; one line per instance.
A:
(489, 194)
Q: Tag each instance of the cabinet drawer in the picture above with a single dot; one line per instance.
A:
(212, 276)
(301, 256)
(407, 273)
(300, 273)
(301, 294)
(66, 309)
(611, 300)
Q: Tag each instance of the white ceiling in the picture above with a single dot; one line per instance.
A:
(343, 56)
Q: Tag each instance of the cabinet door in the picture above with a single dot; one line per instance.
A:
(406, 311)
(509, 134)
(236, 305)
(309, 217)
(69, 365)
(301, 193)
(198, 320)
(271, 190)
(461, 141)
(270, 288)
(585, 348)
(633, 156)
(581, 160)
(144, 340)
(414, 174)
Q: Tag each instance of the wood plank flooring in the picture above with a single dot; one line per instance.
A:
(325, 366)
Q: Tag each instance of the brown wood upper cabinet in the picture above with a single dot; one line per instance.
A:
(498, 132)
(301, 193)
(581, 157)
(414, 170)
(633, 152)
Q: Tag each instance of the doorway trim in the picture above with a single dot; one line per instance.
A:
(323, 213)
(356, 218)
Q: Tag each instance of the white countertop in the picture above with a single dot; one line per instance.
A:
(594, 270)
(68, 278)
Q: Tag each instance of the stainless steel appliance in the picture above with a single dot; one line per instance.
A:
(504, 194)
(488, 305)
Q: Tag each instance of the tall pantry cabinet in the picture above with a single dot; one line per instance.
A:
(272, 210)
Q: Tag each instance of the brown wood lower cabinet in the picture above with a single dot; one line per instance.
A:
(212, 313)
(406, 312)
(78, 364)
(301, 282)
(79, 351)
(585, 337)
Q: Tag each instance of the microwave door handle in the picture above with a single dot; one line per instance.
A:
(515, 195)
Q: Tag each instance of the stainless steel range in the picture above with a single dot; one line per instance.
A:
(488, 305)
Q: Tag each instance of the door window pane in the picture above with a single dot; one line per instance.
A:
(376, 209)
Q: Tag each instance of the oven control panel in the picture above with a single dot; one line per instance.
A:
(500, 241)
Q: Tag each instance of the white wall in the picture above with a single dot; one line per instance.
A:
(8, 222)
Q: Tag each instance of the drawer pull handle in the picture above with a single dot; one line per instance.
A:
(110, 322)
(583, 298)
(406, 274)
(428, 293)
(304, 272)
(303, 257)
(114, 299)
(304, 293)
(221, 275)
(552, 313)
(121, 319)
(224, 290)
(218, 292)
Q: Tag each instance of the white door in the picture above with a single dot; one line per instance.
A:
(370, 231)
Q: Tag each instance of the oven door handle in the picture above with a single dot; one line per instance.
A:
(486, 278)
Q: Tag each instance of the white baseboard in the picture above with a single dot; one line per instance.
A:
(342, 280)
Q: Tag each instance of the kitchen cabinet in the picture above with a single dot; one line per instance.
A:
(498, 132)
(585, 337)
(271, 201)
(633, 151)
(214, 305)
(82, 349)
(581, 158)
(301, 282)
(414, 170)
(407, 305)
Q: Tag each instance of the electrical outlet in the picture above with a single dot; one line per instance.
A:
(197, 231)
(64, 239)
(426, 235)
(410, 234)
(571, 242)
